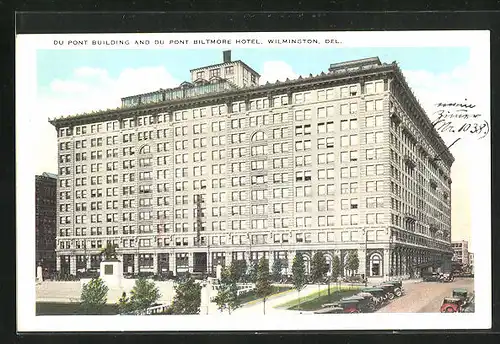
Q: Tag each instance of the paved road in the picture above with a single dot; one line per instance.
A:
(425, 297)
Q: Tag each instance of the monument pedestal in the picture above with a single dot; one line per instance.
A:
(111, 272)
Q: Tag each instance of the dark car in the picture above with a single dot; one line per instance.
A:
(350, 305)
(365, 302)
(398, 287)
(462, 294)
(434, 277)
(451, 305)
(378, 294)
(470, 307)
(389, 290)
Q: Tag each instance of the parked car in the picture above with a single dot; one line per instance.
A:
(451, 305)
(389, 290)
(330, 310)
(365, 303)
(434, 277)
(398, 287)
(375, 302)
(470, 307)
(378, 295)
(462, 294)
(350, 305)
(460, 301)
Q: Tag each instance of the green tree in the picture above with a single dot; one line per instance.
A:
(336, 267)
(238, 269)
(263, 285)
(352, 263)
(144, 294)
(299, 274)
(94, 296)
(124, 305)
(252, 272)
(319, 268)
(277, 268)
(227, 294)
(187, 296)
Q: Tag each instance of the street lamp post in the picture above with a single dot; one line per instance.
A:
(391, 241)
(85, 254)
(366, 256)
(249, 247)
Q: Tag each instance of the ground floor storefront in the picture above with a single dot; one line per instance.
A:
(387, 260)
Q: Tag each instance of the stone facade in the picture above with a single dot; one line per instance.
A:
(337, 162)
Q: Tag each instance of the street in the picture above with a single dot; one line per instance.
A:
(425, 297)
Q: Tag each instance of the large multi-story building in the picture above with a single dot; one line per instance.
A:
(222, 169)
(45, 221)
(461, 252)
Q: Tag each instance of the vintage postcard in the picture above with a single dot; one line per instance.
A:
(254, 181)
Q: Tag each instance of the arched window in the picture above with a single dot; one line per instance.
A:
(145, 149)
(375, 265)
(259, 136)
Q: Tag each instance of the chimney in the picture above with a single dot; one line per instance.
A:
(227, 56)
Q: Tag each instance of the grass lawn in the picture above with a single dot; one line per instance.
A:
(313, 301)
(56, 308)
(250, 296)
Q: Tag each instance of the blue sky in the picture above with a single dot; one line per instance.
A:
(60, 64)
(76, 81)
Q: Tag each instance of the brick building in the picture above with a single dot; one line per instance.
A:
(46, 208)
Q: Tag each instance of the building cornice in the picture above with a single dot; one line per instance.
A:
(336, 78)
(242, 94)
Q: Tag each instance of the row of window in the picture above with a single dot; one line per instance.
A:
(346, 172)
(371, 121)
(221, 240)
(299, 98)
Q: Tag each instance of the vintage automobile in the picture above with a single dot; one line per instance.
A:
(365, 302)
(378, 294)
(460, 301)
(389, 290)
(470, 307)
(462, 294)
(375, 301)
(447, 277)
(433, 277)
(398, 287)
(346, 305)
(330, 310)
(350, 305)
(451, 305)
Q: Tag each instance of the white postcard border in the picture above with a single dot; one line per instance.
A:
(26, 49)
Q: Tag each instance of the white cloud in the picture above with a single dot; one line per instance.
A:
(91, 88)
(88, 89)
(276, 70)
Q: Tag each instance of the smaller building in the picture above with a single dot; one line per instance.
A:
(471, 262)
(461, 252)
(45, 223)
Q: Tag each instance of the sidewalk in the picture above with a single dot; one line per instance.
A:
(256, 307)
